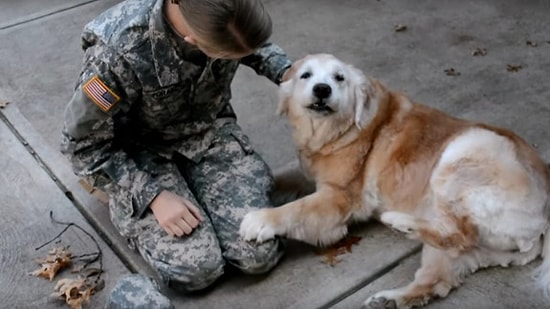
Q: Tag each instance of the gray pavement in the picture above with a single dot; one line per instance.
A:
(39, 62)
(27, 196)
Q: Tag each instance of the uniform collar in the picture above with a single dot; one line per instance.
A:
(165, 57)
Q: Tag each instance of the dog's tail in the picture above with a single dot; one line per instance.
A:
(543, 271)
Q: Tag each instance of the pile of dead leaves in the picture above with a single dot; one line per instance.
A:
(58, 259)
(74, 291)
(342, 247)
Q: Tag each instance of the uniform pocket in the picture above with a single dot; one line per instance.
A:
(161, 106)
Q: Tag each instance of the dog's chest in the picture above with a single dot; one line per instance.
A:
(371, 200)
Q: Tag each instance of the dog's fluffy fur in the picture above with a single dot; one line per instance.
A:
(475, 195)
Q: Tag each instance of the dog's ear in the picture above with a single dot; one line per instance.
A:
(282, 107)
(285, 89)
(361, 98)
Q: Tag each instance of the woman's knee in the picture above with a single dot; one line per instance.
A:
(193, 273)
(256, 258)
(187, 263)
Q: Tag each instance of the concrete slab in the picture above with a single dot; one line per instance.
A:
(14, 12)
(40, 64)
(40, 70)
(27, 196)
(440, 34)
(298, 277)
(304, 279)
(28, 107)
(493, 288)
(95, 212)
(41, 61)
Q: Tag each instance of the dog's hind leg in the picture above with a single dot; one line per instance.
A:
(442, 270)
(445, 232)
(436, 277)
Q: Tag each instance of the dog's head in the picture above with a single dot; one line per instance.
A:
(325, 89)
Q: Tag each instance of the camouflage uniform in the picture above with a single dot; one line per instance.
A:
(137, 292)
(160, 119)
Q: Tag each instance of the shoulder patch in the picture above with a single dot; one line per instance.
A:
(100, 94)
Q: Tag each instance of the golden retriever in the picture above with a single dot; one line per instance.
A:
(474, 195)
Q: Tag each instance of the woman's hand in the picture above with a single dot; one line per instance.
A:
(175, 214)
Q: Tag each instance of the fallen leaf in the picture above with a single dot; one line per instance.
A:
(57, 260)
(479, 52)
(73, 291)
(513, 67)
(341, 247)
(531, 43)
(399, 28)
(451, 72)
(3, 103)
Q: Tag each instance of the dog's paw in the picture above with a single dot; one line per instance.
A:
(397, 299)
(390, 299)
(256, 226)
(380, 303)
(399, 221)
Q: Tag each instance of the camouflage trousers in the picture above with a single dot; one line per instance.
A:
(137, 291)
(229, 180)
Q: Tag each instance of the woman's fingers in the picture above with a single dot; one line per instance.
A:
(194, 210)
(177, 230)
(184, 226)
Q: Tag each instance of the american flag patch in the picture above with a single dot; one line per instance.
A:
(100, 94)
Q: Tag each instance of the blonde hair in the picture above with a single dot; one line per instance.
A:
(227, 26)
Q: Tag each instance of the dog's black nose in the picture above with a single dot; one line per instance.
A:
(322, 91)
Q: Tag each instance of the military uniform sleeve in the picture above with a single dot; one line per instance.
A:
(270, 61)
(106, 87)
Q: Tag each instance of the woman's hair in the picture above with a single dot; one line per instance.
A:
(227, 26)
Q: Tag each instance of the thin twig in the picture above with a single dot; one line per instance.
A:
(98, 255)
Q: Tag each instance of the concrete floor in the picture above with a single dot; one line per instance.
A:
(39, 62)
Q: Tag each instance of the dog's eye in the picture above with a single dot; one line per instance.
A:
(306, 75)
(339, 77)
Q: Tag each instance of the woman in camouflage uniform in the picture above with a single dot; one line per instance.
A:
(150, 123)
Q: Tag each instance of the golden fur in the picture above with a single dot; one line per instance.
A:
(475, 195)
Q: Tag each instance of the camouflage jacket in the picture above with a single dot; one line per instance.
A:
(143, 87)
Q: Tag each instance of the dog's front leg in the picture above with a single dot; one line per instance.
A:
(319, 219)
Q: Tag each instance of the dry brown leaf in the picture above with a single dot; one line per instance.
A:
(479, 52)
(343, 246)
(57, 260)
(399, 28)
(451, 72)
(73, 291)
(3, 103)
(513, 67)
(531, 43)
